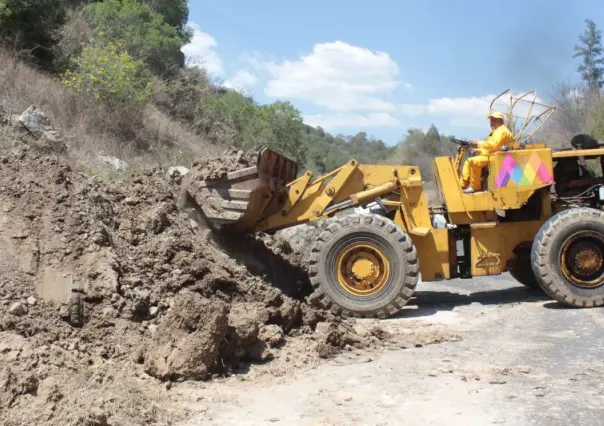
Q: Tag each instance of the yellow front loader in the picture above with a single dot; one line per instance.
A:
(532, 219)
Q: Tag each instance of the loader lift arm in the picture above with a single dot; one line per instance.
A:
(351, 185)
(267, 196)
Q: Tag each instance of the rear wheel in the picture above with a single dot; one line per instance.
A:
(568, 257)
(363, 266)
(521, 268)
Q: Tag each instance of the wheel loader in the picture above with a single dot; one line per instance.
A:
(539, 217)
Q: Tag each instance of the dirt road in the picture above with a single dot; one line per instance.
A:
(521, 360)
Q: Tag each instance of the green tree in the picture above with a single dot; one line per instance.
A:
(175, 13)
(590, 50)
(145, 34)
(282, 129)
(419, 148)
(29, 27)
(232, 109)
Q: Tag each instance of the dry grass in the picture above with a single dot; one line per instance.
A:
(146, 136)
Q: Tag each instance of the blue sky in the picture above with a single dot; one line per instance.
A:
(383, 66)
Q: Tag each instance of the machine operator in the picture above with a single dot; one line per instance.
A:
(472, 169)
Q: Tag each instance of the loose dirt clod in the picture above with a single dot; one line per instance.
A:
(188, 342)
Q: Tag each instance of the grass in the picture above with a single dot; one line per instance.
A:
(89, 127)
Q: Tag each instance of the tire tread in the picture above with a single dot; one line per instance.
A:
(411, 277)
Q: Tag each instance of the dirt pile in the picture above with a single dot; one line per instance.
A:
(102, 273)
(216, 168)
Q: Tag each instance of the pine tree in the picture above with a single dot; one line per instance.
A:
(590, 50)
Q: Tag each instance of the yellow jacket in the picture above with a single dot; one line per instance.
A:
(499, 137)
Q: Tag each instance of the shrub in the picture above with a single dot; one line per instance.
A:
(109, 74)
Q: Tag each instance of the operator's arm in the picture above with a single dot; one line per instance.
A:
(500, 136)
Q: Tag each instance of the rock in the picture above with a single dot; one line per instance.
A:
(158, 219)
(243, 321)
(113, 162)
(35, 121)
(290, 314)
(153, 311)
(64, 311)
(271, 334)
(177, 173)
(31, 300)
(187, 343)
(17, 309)
(53, 140)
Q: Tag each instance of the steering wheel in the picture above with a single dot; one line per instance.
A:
(459, 142)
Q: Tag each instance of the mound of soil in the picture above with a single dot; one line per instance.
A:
(99, 273)
(231, 160)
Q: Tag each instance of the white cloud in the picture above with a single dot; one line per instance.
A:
(200, 52)
(241, 81)
(257, 61)
(471, 111)
(338, 76)
(338, 120)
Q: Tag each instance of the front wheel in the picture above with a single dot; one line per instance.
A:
(568, 257)
(363, 265)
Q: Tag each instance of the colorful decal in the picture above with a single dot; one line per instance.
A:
(535, 172)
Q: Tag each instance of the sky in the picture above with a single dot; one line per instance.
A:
(384, 66)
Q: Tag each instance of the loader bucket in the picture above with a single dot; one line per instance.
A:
(243, 197)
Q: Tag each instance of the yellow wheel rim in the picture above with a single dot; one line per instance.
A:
(582, 259)
(362, 269)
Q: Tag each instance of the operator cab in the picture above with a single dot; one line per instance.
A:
(579, 173)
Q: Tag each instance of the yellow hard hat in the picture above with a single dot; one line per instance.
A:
(496, 114)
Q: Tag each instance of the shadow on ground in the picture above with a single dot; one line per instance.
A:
(430, 302)
(560, 306)
(260, 261)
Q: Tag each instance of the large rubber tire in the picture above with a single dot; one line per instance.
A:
(395, 245)
(521, 268)
(547, 262)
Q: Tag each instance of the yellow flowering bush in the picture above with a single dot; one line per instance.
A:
(108, 73)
